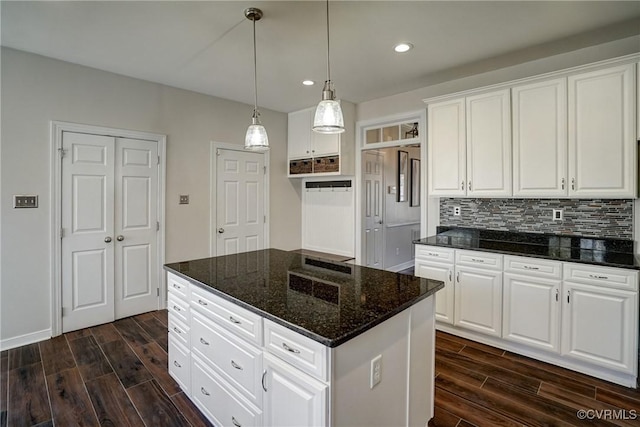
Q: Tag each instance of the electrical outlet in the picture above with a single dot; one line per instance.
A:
(456, 210)
(184, 199)
(376, 371)
(557, 214)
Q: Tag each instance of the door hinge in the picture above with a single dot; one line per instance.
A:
(264, 219)
(62, 152)
(264, 169)
(157, 225)
(217, 151)
(62, 311)
(158, 159)
(157, 291)
(61, 232)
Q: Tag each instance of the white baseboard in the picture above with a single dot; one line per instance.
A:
(19, 341)
(400, 267)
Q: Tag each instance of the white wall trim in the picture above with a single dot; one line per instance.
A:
(403, 266)
(213, 220)
(419, 116)
(55, 194)
(30, 338)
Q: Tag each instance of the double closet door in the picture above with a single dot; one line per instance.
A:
(110, 266)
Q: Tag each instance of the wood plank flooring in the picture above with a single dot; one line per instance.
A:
(116, 375)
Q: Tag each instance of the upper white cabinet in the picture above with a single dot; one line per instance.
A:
(469, 148)
(602, 146)
(540, 139)
(574, 135)
(312, 153)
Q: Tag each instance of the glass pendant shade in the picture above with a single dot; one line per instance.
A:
(328, 118)
(256, 138)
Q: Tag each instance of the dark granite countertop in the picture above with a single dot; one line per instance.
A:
(328, 301)
(587, 250)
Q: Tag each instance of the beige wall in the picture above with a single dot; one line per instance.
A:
(36, 90)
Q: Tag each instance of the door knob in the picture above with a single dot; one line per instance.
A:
(220, 230)
(107, 239)
(120, 238)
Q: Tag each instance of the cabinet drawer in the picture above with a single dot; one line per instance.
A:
(236, 319)
(180, 364)
(179, 331)
(479, 259)
(178, 286)
(215, 397)
(235, 360)
(533, 267)
(618, 278)
(435, 253)
(178, 308)
(304, 353)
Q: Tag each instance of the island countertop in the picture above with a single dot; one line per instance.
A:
(327, 301)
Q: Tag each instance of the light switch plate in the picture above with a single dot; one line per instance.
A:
(22, 201)
(184, 199)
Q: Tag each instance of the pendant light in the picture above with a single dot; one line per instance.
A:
(256, 138)
(328, 118)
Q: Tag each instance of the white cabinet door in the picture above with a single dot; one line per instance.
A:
(444, 297)
(478, 300)
(324, 144)
(602, 145)
(599, 326)
(489, 144)
(291, 397)
(298, 135)
(540, 139)
(446, 147)
(531, 311)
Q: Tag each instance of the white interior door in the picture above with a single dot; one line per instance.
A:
(373, 208)
(136, 225)
(239, 201)
(109, 221)
(88, 226)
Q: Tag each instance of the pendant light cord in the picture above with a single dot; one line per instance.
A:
(255, 72)
(328, 67)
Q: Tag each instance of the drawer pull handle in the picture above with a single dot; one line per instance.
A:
(176, 308)
(177, 330)
(205, 392)
(203, 341)
(528, 267)
(176, 364)
(477, 260)
(235, 365)
(291, 349)
(264, 374)
(202, 302)
(237, 322)
(432, 254)
(595, 276)
(235, 423)
(176, 286)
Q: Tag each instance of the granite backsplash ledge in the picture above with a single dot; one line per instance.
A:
(601, 218)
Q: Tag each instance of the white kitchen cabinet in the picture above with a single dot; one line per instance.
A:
(608, 339)
(478, 300)
(179, 363)
(489, 144)
(292, 398)
(304, 142)
(540, 139)
(432, 262)
(447, 148)
(469, 146)
(602, 143)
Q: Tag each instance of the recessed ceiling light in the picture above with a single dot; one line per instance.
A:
(403, 47)
(308, 82)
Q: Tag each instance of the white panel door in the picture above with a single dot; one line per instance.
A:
(88, 230)
(478, 300)
(239, 201)
(373, 196)
(445, 297)
(602, 144)
(489, 144)
(136, 196)
(540, 139)
(446, 148)
(531, 311)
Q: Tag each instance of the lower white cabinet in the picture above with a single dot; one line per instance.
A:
(444, 297)
(478, 300)
(292, 398)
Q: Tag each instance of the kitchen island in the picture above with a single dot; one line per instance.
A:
(280, 338)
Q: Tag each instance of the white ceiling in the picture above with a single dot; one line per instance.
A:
(206, 46)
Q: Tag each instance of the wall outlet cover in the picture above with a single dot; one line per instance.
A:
(376, 371)
(456, 210)
(184, 199)
(557, 214)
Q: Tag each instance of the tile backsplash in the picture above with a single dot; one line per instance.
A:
(592, 217)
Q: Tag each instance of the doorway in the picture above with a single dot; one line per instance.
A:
(108, 246)
(239, 211)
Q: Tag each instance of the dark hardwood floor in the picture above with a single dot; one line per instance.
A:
(116, 375)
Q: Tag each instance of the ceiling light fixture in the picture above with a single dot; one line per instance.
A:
(256, 138)
(328, 117)
(403, 47)
(308, 82)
